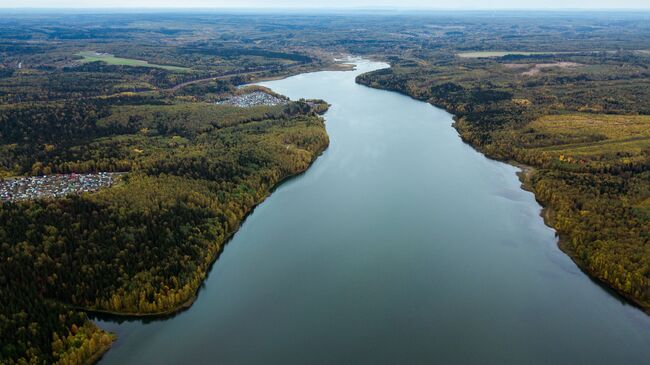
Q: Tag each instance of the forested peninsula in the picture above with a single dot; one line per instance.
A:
(192, 171)
(127, 166)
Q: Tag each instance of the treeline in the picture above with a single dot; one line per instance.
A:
(79, 137)
(39, 331)
(238, 52)
(608, 236)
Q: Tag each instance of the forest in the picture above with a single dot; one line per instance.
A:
(144, 245)
(194, 169)
(566, 94)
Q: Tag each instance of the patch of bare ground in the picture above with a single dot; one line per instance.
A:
(534, 69)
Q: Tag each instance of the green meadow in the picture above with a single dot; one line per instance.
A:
(90, 56)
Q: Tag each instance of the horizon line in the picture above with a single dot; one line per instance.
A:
(337, 8)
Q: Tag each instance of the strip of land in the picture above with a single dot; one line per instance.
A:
(91, 56)
(494, 54)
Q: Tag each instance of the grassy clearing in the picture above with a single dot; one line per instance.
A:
(89, 56)
(601, 154)
(606, 125)
(493, 54)
(595, 140)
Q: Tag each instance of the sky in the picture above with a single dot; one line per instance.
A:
(368, 4)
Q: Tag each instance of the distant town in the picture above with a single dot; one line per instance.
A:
(54, 186)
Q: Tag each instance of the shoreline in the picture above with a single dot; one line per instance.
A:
(97, 313)
(524, 176)
(101, 352)
(290, 71)
(335, 66)
(546, 212)
(188, 303)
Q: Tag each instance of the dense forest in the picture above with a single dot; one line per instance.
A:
(581, 120)
(576, 108)
(193, 170)
(144, 245)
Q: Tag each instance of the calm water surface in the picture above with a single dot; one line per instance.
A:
(400, 244)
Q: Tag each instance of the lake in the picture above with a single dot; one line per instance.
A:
(401, 244)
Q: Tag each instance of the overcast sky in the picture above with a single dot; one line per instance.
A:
(434, 4)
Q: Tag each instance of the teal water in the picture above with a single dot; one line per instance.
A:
(401, 244)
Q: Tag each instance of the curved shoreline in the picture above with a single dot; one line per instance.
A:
(546, 212)
(524, 177)
(94, 358)
(96, 314)
(304, 261)
(188, 303)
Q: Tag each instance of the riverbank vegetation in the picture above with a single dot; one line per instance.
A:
(566, 93)
(585, 129)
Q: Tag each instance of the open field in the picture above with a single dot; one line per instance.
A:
(592, 140)
(492, 54)
(89, 56)
(608, 126)
(537, 68)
